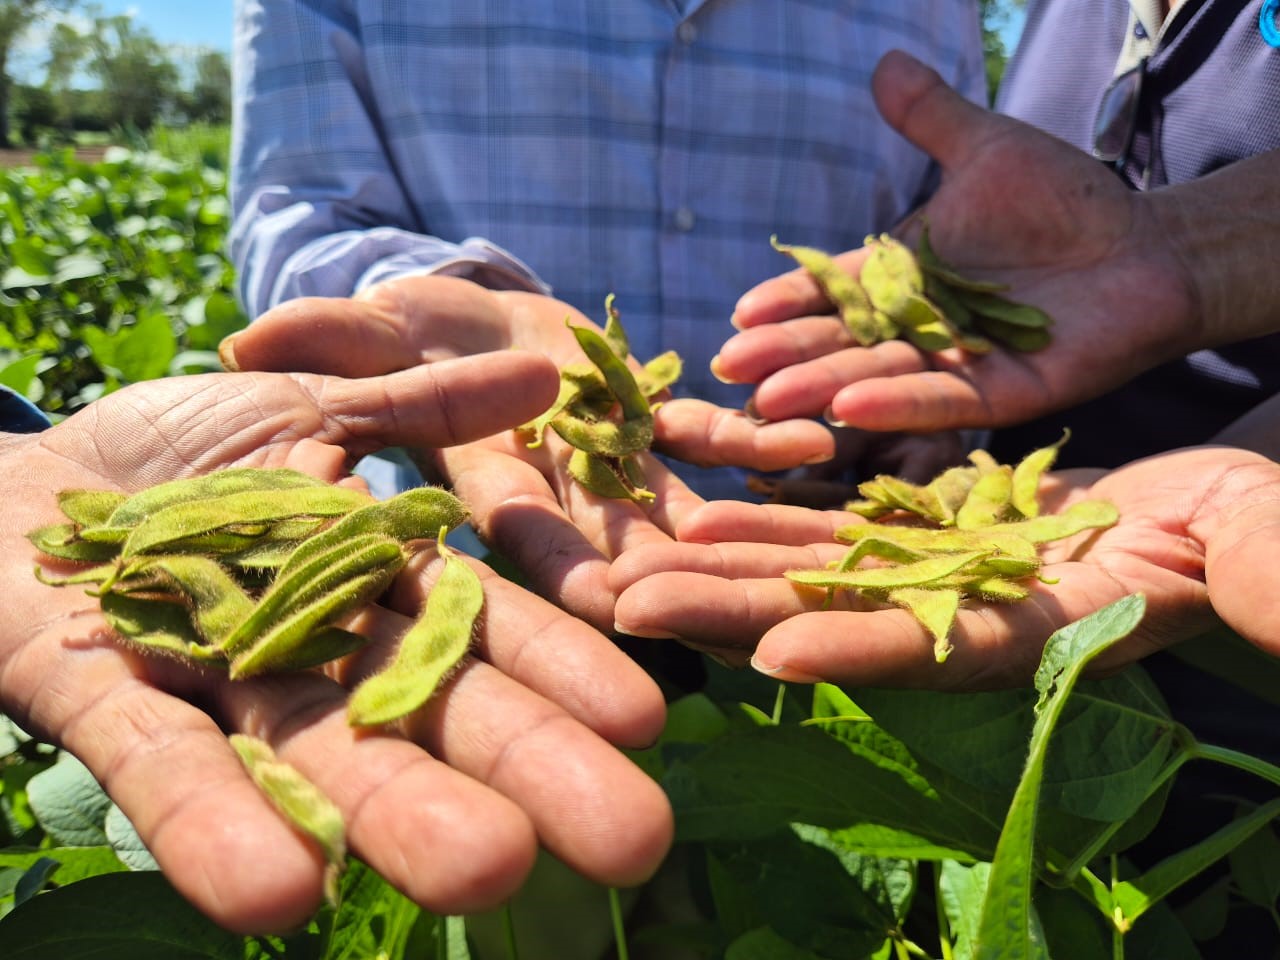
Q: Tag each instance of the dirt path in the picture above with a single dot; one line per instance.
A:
(20, 158)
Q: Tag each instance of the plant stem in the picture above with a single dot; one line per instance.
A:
(944, 923)
(619, 929)
(509, 928)
(777, 704)
(1117, 935)
(900, 949)
(1234, 758)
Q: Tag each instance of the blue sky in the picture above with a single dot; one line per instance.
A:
(202, 22)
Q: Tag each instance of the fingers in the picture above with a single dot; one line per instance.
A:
(753, 354)
(917, 103)
(441, 404)
(815, 387)
(731, 520)
(591, 807)
(173, 774)
(556, 655)
(702, 433)
(793, 294)
(1003, 391)
(338, 336)
(439, 836)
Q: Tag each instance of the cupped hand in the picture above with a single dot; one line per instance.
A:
(451, 805)
(524, 504)
(1016, 206)
(1194, 535)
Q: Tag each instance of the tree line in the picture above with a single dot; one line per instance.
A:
(102, 73)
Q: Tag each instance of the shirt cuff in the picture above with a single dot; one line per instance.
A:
(476, 260)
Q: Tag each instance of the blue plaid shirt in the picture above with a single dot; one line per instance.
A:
(647, 148)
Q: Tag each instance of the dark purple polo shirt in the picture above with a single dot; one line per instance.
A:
(1211, 97)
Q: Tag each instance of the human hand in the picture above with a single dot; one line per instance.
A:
(450, 805)
(523, 501)
(1195, 528)
(1016, 206)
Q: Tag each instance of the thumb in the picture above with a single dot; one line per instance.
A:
(917, 102)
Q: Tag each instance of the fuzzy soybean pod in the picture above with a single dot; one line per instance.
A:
(89, 508)
(612, 477)
(935, 609)
(217, 602)
(883, 579)
(989, 502)
(62, 540)
(659, 373)
(412, 515)
(1027, 474)
(429, 652)
(299, 801)
(622, 382)
(842, 289)
(233, 480)
(249, 513)
(297, 606)
(604, 437)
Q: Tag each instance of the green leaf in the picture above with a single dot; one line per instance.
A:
(126, 843)
(74, 863)
(1255, 868)
(31, 256)
(133, 915)
(145, 350)
(78, 266)
(373, 918)
(764, 943)
(1005, 930)
(1134, 897)
(20, 376)
(752, 782)
(70, 804)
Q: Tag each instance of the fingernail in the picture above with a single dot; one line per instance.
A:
(227, 353)
(829, 415)
(818, 458)
(780, 671)
(644, 633)
(717, 372)
(751, 413)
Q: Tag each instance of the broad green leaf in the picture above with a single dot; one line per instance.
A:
(20, 375)
(1134, 897)
(128, 915)
(864, 780)
(979, 738)
(70, 804)
(126, 843)
(764, 943)
(74, 863)
(1255, 868)
(34, 879)
(373, 918)
(805, 893)
(145, 349)
(1005, 930)
(30, 255)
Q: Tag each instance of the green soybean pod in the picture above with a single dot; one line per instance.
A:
(300, 801)
(311, 597)
(412, 515)
(890, 274)
(989, 501)
(841, 288)
(1003, 310)
(934, 266)
(252, 511)
(429, 651)
(614, 334)
(935, 609)
(1027, 474)
(609, 477)
(218, 602)
(157, 626)
(659, 373)
(622, 382)
(604, 437)
(89, 508)
(915, 574)
(1077, 518)
(535, 429)
(216, 484)
(61, 540)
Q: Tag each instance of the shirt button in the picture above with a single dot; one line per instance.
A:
(1140, 31)
(687, 32)
(684, 219)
